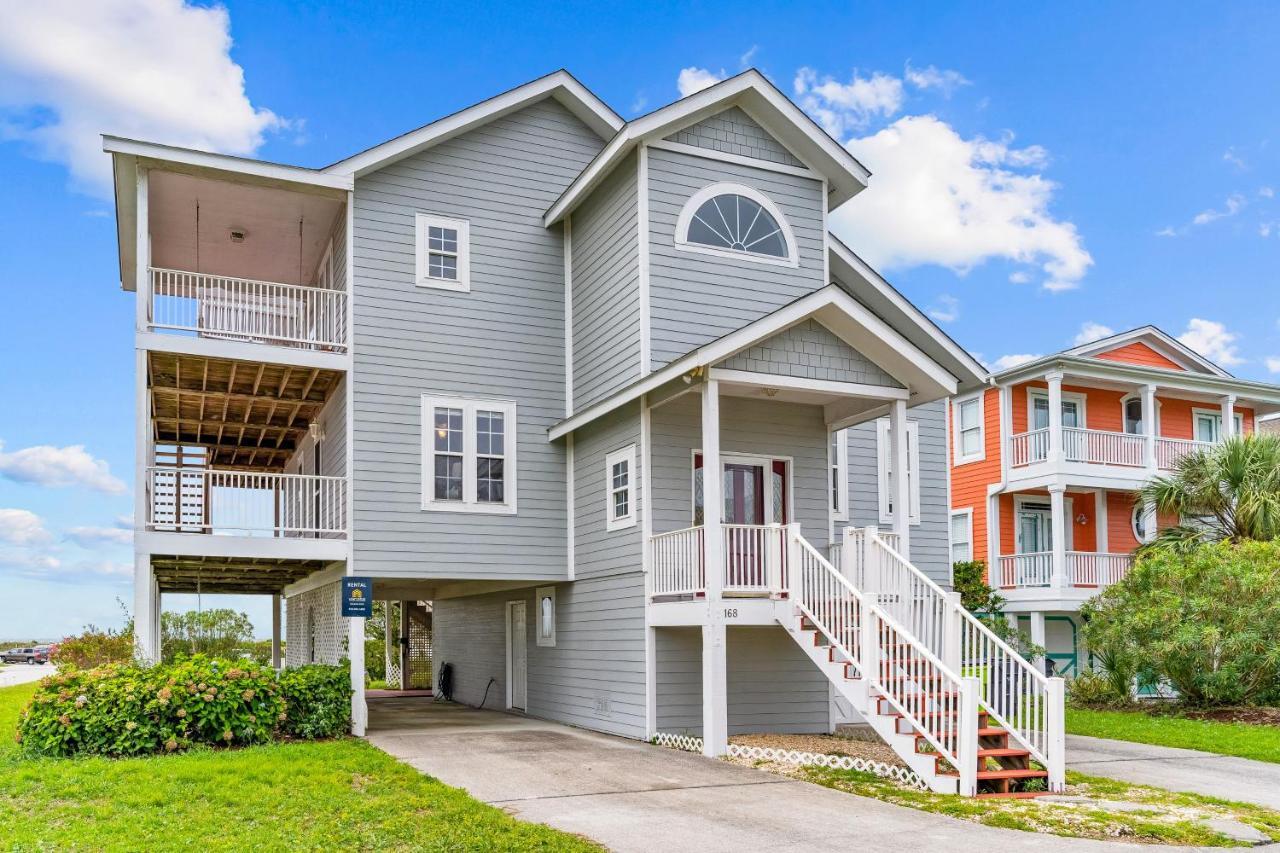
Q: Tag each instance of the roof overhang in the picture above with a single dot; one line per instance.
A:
(129, 155)
(751, 91)
(1160, 341)
(873, 291)
(561, 85)
(922, 376)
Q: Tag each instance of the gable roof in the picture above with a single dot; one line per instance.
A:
(1154, 339)
(791, 126)
(561, 85)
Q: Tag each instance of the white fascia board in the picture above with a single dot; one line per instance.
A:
(844, 255)
(914, 365)
(1164, 378)
(796, 129)
(561, 85)
(240, 351)
(224, 163)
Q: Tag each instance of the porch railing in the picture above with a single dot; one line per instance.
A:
(1102, 447)
(1085, 568)
(1034, 569)
(240, 309)
(676, 563)
(240, 503)
(1170, 451)
(852, 552)
(1027, 448)
(754, 558)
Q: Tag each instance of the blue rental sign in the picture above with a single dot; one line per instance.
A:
(357, 597)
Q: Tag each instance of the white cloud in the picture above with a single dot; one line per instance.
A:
(93, 537)
(1273, 364)
(842, 108)
(154, 69)
(1019, 277)
(938, 198)
(59, 466)
(1230, 156)
(22, 527)
(1267, 192)
(40, 564)
(693, 80)
(1233, 205)
(946, 309)
(1091, 331)
(1005, 362)
(744, 61)
(1212, 340)
(945, 81)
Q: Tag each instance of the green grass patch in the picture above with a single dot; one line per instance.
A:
(1261, 743)
(339, 794)
(1166, 817)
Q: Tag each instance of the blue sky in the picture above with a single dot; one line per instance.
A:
(1037, 172)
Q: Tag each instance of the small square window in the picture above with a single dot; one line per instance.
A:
(443, 253)
(619, 486)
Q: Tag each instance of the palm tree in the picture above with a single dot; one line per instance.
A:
(1230, 491)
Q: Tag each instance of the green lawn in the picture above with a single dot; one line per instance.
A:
(1240, 739)
(336, 794)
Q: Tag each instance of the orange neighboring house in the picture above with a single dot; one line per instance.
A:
(1046, 461)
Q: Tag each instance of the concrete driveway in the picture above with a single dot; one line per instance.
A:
(21, 673)
(1177, 769)
(633, 796)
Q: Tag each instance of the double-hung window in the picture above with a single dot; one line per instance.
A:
(961, 535)
(966, 420)
(839, 453)
(620, 495)
(468, 455)
(442, 248)
(885, 480)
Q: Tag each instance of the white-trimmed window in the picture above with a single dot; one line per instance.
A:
(884, 457)
(546, 617)
(961, 535)
(970, 434)
(620, 488)
(839, 455)
(468, 455)
(443, 251)
(737, 221)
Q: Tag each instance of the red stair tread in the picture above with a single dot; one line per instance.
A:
(1016, 795)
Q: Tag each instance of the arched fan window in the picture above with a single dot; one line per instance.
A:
(737, 220)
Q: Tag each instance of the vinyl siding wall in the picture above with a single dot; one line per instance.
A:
(969, 480)
(599, 550)
(606, 296)
(696, 298)
(503, 340)
(593, 676)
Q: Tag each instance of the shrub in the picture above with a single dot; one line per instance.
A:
(219, 633)
(969, 578)
(125, 709)
(1092, 689)
(318, 698)
(1205, 621)
(95, 647)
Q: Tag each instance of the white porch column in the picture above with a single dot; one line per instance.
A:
(901, 484)
(275, 631)
(355, 652)
(1149, 424)
(1056, 453)
(1037, 636)
(146, 648)
(1100, 535)
(1228, 416)
(1058, 533)
(993, 539)
(712, 499)
(715, 689)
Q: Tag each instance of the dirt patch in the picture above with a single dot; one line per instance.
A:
(1252, 716)
(824, 745)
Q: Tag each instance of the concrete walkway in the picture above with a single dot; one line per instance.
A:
(1177, 769)
(631, 796)
(21, 673)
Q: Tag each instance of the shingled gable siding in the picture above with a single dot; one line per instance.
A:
(810, 350)
(502, 340)
(606, 296)
(930, 539)
(735, 132)
(696, 298)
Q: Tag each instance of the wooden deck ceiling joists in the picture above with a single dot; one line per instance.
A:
(219, 575)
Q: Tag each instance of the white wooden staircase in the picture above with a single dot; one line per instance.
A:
(963, 709)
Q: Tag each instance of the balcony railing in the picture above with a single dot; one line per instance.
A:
(1083, 569)
(755, 560)
(239, 309)
(239, 503)
(1100, 447)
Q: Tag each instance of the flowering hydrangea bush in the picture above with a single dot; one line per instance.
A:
(126, 709)
(318, 699)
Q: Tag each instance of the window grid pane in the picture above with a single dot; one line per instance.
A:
(732, 221)
(490, 464)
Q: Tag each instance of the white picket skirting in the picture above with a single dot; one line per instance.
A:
(241, 309)
(243, 503)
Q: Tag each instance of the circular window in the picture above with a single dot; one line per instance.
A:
(1139, 522)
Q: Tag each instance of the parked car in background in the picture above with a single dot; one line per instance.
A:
(31, 655)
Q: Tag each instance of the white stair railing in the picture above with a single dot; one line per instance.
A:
(930, 696)
(1017, 696)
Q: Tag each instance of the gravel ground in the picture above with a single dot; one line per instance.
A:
(824, 744)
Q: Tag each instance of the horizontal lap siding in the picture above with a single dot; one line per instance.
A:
(969, 481)
(504, 340)
(594, 675)
(598, 550)
(696, 298)
(606, 296)
(754, 427)
(1139, 353)
(809, 350)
